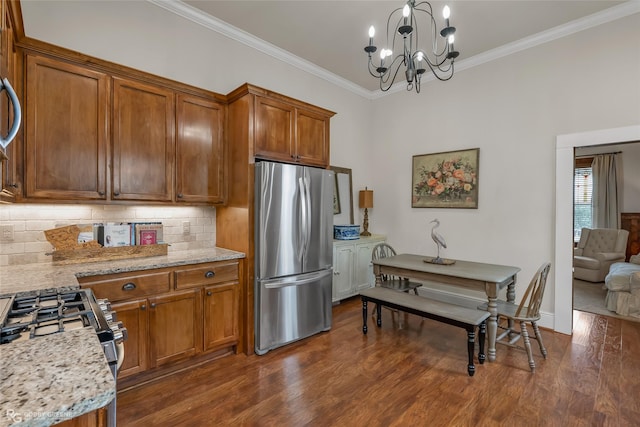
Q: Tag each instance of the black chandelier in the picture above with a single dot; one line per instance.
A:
(440, 59)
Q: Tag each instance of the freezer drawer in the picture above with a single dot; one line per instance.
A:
(291, 308)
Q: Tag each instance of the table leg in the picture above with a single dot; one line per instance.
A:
(511, 290)
(377, 275)
(471, 335)
(483, 334)
(364, 316)
(511, 297)
(492, 328)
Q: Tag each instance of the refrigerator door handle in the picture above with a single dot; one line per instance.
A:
(283, 282)
(307, 199)
(304, 213)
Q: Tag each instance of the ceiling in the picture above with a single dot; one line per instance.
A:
(331, 35)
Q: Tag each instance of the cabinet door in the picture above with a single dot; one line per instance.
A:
(7, 61)
(274, 137)
(220, 316)
(199, 150)
(143, 141)
(175, 326)
(364, 277)
(343, 272)
(133, 315)
(97, 418)
(66, 131)
(312, 138)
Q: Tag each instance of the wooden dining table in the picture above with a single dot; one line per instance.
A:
(491, 278)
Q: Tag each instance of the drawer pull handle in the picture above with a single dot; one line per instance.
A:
(129, 286)
(209, 274)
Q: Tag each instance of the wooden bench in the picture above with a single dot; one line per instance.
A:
(451, 314)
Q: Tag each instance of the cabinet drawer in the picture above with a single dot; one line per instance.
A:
(206, 274)
(130, 286)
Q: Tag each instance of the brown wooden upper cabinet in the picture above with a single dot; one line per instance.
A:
(143, 141)
(289, 133)
(199, 150)
(91, 135)
(66, 130)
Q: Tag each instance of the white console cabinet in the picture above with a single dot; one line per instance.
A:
(352, 268)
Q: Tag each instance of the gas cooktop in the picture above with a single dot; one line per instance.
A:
(27, 315)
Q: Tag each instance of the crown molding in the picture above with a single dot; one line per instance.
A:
(197, 16)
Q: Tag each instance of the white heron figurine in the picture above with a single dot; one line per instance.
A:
(438, 239)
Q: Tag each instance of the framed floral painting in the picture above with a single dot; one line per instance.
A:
(445, 180)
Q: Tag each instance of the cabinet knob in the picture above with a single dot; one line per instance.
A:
(100, 193)
(153, 305)
(209, 293)
(180, 195)
(14, 185)
(128, 286)
(143, 307)
(116, 193)
(209, 274)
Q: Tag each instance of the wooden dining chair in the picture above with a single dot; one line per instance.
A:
(401, 284)
(527, 311)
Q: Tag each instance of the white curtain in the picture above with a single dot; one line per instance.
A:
(605, 201)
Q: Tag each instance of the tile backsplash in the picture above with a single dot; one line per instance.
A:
(22, 226)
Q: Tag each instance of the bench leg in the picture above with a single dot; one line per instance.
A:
(471, 334)
(481, 338)
(364, 316)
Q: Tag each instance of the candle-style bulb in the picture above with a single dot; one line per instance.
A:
(446, 12)
(451, 39)
(405, 11)
(372, 32)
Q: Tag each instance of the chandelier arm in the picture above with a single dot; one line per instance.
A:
(394, 64)
(437, 76)
(387, 79)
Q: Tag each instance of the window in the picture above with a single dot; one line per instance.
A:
(582, 191)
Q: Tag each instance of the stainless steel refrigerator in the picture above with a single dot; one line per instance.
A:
(294, 253)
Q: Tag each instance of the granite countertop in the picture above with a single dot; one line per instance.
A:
(55, 275)
(53, 378)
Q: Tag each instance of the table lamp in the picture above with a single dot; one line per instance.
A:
(366, 202)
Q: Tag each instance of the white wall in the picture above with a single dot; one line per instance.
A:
(512, 109)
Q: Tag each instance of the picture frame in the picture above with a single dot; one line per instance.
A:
(445, 180)
(336, 195)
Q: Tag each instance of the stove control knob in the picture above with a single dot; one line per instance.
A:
(119, 332)
(104, 304)
(110, 316)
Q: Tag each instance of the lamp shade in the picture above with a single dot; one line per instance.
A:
(366, 198)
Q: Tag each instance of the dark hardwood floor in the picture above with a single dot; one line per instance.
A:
(415, 376)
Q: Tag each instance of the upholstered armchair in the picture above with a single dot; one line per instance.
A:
(597, 249)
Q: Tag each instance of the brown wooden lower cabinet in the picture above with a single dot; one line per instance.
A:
(133, 314)
(173, 315)
(175, 326)
(97, 418)
(220, 316)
